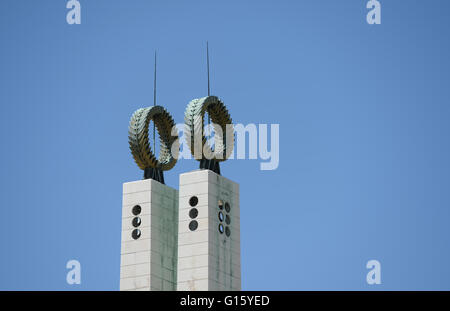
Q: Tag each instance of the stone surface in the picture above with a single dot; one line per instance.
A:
(150, 262)
(208, 259)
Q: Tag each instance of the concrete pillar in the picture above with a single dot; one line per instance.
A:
(209, 233)
(149, 236)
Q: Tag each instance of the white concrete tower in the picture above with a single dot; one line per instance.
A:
(209, 232)
(150, 208)
(149, 236)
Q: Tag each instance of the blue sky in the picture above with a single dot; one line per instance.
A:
(364, 123)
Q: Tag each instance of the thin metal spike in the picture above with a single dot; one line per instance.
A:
(154, 104)
(154, 84)
(207, 64)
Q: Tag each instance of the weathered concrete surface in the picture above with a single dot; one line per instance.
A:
(208, 259)
(150, 262)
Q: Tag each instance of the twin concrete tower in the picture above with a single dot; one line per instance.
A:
(186, 239)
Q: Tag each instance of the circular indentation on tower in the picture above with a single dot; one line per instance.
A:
(136, 210)
(136, 222)
(220, 204)
(227, 231)
(227, 220)
(220, 216)
(193, 213)
(193, 201)
(136, 234)
(221, 228)
(227, 207)
(193, 225)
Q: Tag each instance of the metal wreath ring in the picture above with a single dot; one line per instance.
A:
(139, 141)
(194, 124)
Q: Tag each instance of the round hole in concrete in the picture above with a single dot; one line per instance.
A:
(193, 225)
(136, 234)
(136, 210)
(193, 201)
(193, 213)
(136, 222)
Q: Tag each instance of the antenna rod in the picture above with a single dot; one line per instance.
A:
(154, 102)
(207, 66)
(207, 63)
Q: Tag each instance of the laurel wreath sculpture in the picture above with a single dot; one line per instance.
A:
(139, 140)
(194, 124)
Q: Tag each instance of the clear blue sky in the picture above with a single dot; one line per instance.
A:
(364, 121)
